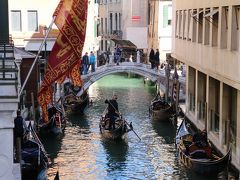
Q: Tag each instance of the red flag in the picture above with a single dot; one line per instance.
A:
(64, 60)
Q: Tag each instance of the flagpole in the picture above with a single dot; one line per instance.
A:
(36, 58)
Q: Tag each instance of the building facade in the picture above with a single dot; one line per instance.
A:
(29, 20)
(122, 19)
(165, 29)
(206, 38)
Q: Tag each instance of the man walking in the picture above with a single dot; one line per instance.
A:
(85, 63)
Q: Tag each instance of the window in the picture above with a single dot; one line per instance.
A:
(119, 19)
(16, 20)
(207, 26)
(200, 25)
(106, 29)
(116, 22)
(111, 23)
(224, 28)
(32, 21)
(194, 24)
(215, 27)
(167, 15)
(235, 28)
(101, 26)
(189, 26)
(214, 104)
(177, 24)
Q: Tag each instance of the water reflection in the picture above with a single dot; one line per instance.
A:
(166, 129)
(116, 152)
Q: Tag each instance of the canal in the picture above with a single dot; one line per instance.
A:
(81, 153)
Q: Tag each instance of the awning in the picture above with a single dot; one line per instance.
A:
(211, 13)
(124, 44)
(195, 13)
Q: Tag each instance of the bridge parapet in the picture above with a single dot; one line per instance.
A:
(131, 67)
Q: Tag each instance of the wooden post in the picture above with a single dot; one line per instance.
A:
(33, 109)
(167, 73)
(18, 149)
(228, 135)
(177, 96)
(206, 118)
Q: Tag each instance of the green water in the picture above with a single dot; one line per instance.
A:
(81, 153)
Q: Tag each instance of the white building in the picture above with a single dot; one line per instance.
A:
(28, 20)
(122, 19)
(206, 38)
(165, 29)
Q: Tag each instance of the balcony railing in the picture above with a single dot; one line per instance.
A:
(8, 67)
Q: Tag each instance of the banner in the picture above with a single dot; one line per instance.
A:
(64, 60)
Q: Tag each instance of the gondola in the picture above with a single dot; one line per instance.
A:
(201, 162)
(34, 161)
(56, 121)
(160, 110)
(71, 102)
(121, 127)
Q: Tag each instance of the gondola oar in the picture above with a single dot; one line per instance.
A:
(130, 125)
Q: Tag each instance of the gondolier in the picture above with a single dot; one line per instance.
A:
(113, 112)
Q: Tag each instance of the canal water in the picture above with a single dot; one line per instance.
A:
(81, 153)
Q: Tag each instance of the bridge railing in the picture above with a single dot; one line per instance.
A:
(138, 68)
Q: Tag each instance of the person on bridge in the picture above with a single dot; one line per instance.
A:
(151, 58)
(117, 54)
(113, 112)
(85, 63)
(156, 59)
(92, 61)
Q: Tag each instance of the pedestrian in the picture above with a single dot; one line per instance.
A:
(117, 54)
(85, 63)
(113, 112)
(92, 61)
(156, 59)
(19, 127)
(138, 56)
(151, 58)
(108, 53)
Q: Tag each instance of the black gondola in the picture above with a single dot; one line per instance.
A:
(34, 161)
(56, 123)
(160, 110)
(200, 163)
(72, 102)
(121, 127)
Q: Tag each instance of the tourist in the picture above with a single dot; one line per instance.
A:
(92, 61)
(156, 59)
(151, 58)
(138, 56)
(117, 55)
(85, 63)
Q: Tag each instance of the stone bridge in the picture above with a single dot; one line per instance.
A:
(141, 69)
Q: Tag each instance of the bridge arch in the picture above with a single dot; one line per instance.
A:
(143, 70)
